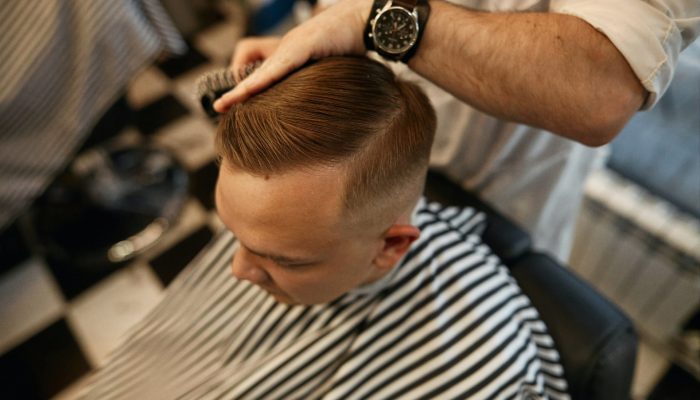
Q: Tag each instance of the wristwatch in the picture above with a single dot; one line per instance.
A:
(394, 27)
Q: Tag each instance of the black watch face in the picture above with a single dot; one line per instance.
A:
(395, 31)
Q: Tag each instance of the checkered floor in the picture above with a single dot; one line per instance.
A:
(57, 323)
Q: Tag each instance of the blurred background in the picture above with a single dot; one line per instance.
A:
(107, 168)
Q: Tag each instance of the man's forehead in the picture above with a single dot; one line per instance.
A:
(318, 190)
(295, 204)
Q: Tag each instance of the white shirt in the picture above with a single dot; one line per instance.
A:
(534, 176)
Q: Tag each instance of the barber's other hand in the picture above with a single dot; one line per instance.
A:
(335, 31)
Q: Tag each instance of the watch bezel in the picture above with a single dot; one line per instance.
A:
(411, 14)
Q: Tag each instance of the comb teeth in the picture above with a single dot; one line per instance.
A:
(216, 80)
(214, 84)
(249, 68)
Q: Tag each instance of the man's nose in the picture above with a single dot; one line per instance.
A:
(245, 267)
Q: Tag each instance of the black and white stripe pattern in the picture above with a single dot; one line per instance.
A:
(62, 64)
(448, 322)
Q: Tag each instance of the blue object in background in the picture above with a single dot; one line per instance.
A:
(269, 15)
(660, 149)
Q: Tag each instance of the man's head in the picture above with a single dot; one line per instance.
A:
(319, 175)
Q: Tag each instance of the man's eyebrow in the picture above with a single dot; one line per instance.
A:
(278, 257)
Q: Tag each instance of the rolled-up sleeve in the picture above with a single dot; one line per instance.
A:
(648, 33)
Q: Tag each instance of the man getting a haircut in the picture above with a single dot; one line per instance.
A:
(346, 283)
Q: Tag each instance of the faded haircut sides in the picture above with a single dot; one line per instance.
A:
(338, 111)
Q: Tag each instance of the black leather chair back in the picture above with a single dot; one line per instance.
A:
(596, 341)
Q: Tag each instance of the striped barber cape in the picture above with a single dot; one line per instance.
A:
(449, 322)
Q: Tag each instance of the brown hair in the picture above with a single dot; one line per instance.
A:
(348, 111)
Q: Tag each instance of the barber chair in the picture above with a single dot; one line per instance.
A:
(111, 205)
(596, 341)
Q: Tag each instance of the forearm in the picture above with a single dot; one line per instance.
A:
(547, 70)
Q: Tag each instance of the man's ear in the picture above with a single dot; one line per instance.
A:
(397, 241)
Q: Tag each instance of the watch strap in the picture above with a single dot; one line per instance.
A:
(423, 10)
(407, 4)
(376, 6)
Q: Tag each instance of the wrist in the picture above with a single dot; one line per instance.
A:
(440, 34)
(362, 11)
(354, 16)
(363, 8)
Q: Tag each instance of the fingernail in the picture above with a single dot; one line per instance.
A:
(217, 105)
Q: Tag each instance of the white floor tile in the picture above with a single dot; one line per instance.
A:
(127, 138)
(29, 301)
(191, 139)
(192, 217)
(218, 42)
(185, 87)
(102, 315)
(148, 86)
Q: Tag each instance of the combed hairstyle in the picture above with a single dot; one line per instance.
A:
(347, 111)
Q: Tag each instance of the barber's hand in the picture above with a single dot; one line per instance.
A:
(250, 50)
(335, 31)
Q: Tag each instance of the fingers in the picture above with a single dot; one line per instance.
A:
(335, 31)
(248, 54)
(252, 50)
(272, 70)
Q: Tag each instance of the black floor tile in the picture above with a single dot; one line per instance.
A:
(73, 279)
(207, 18)
(202, 184)
(175, 66)
(43, 365)
(159, 114)
(677, 384)
(13, 248)
(114, 120)
(693, 322)
(172, 261)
